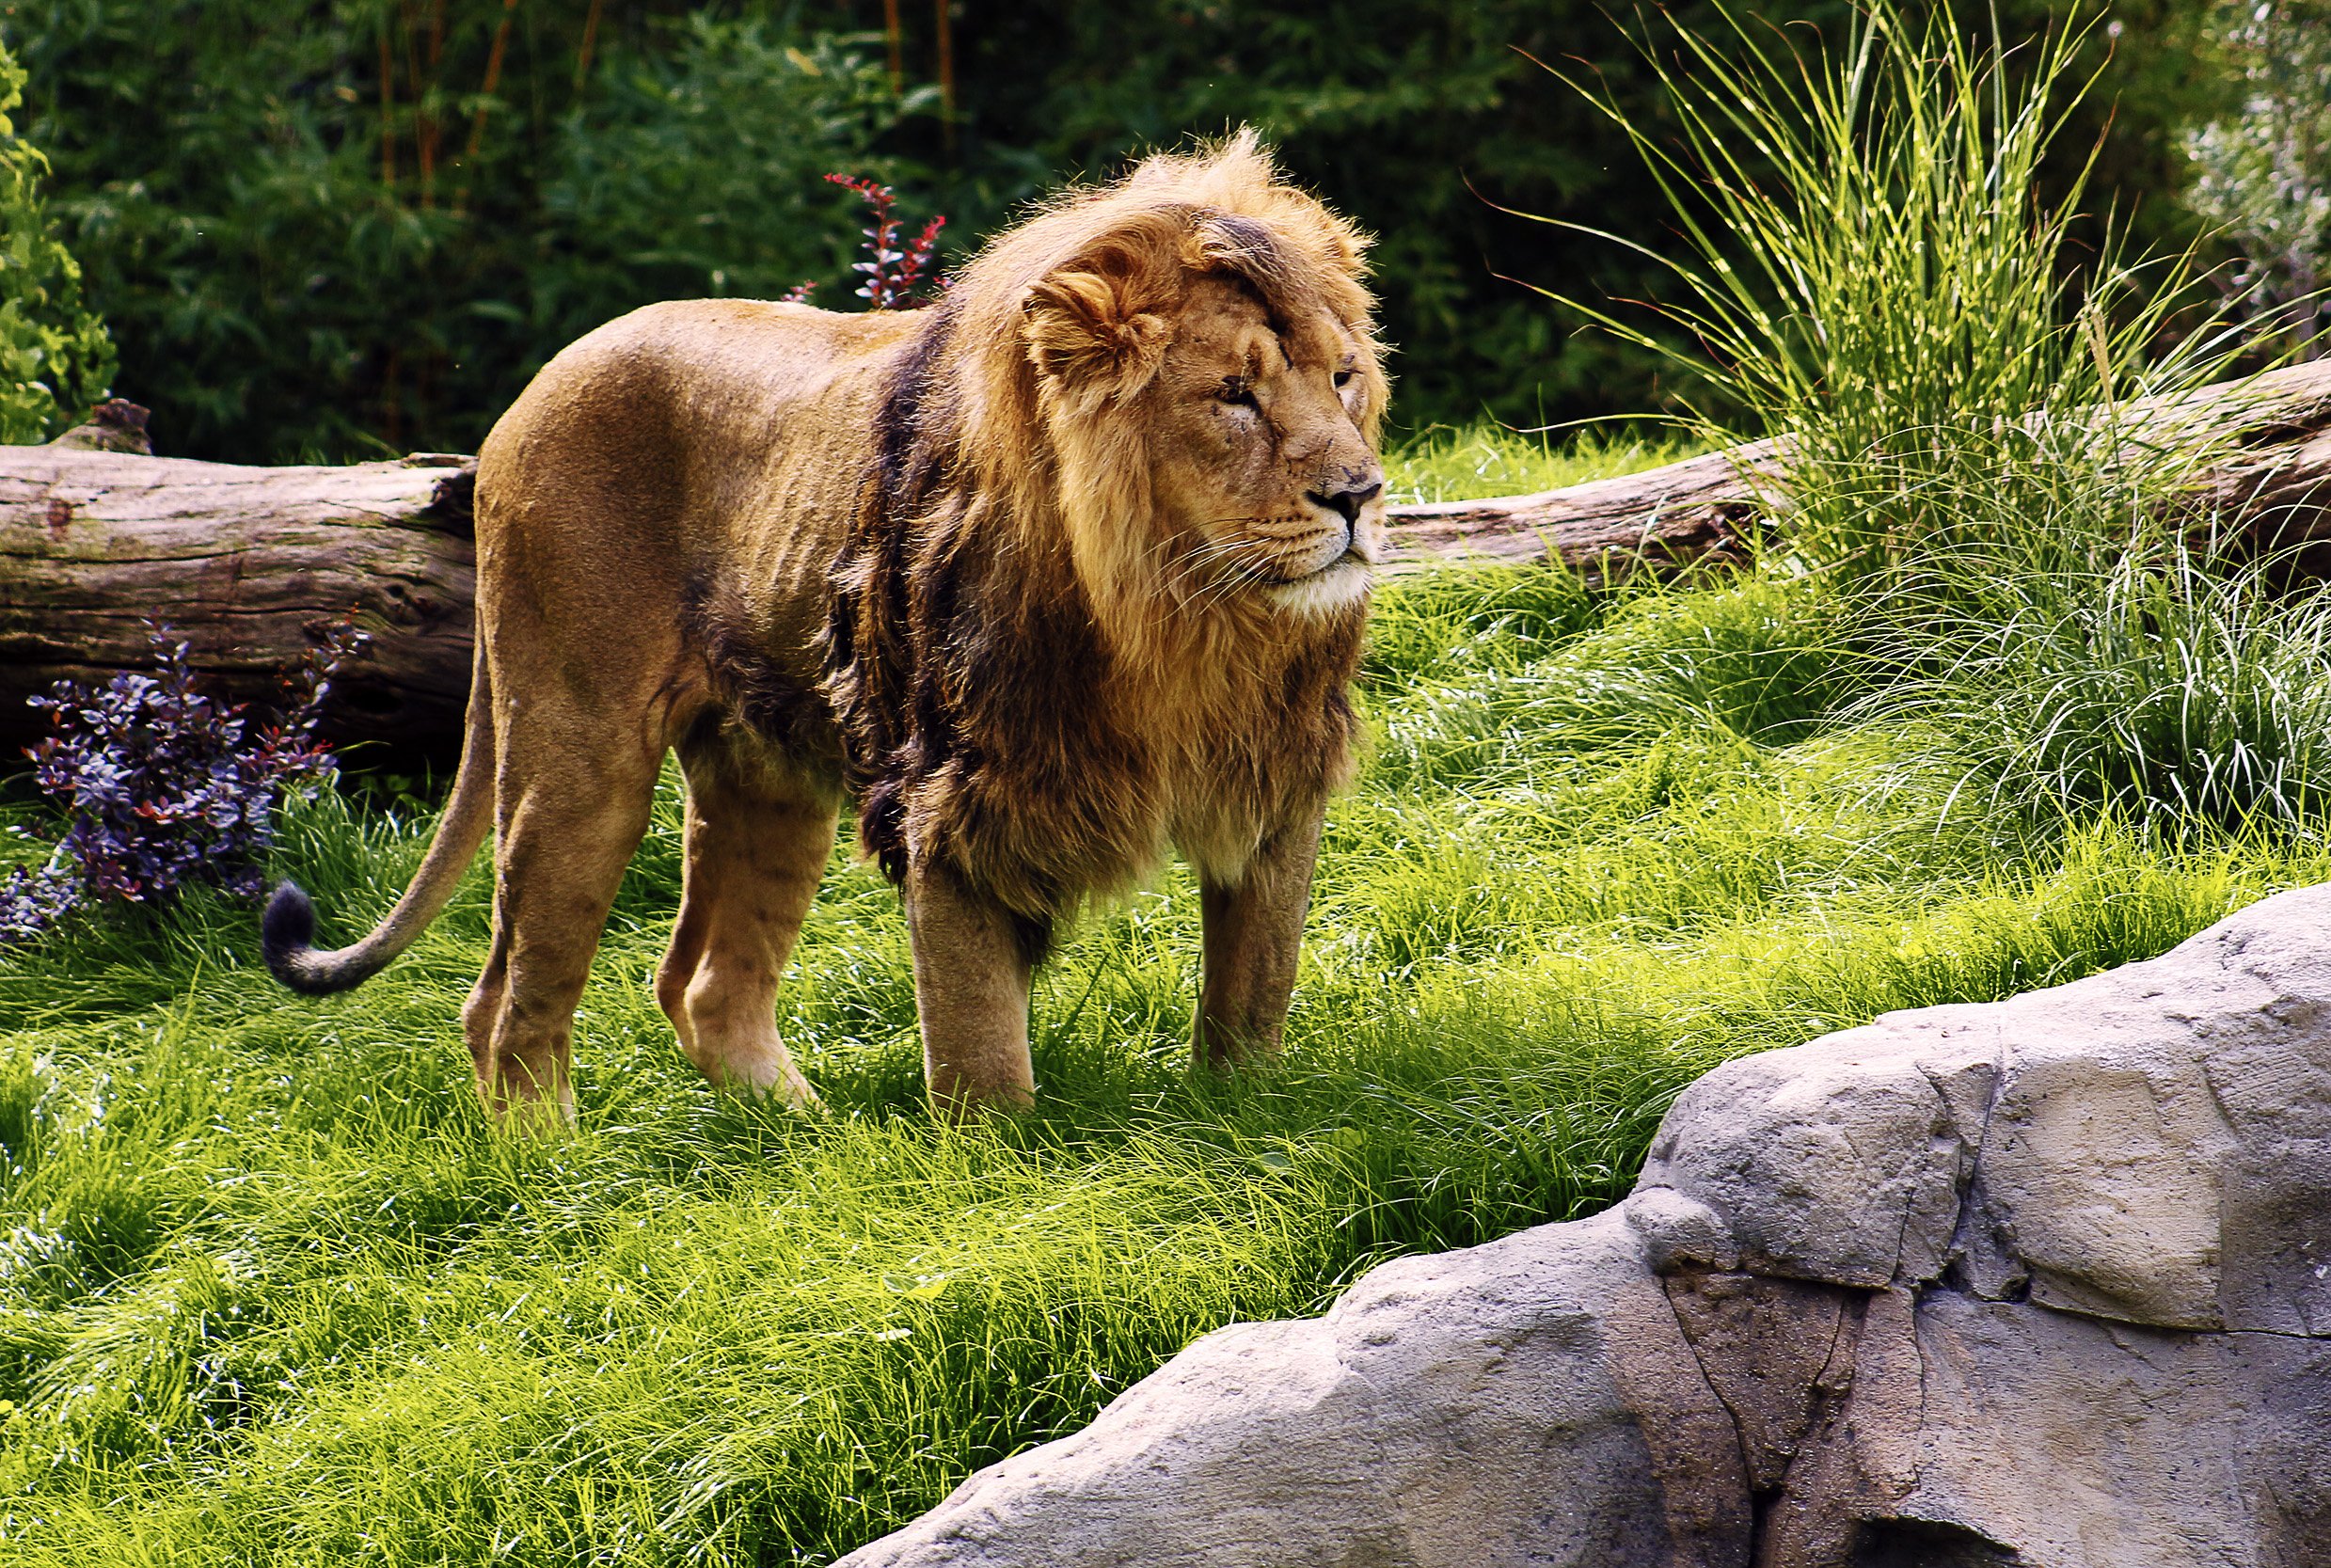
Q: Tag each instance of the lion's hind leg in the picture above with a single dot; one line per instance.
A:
(758, 838)
(571, 810)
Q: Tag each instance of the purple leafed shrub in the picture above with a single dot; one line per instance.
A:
(161, 784)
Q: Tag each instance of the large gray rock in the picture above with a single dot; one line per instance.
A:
(2151, 1144)
(1529, 1400)
(2041, 1282)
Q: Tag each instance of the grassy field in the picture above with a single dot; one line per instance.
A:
(270, 1292)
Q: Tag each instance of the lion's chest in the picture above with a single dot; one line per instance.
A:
(1220, 798)
(1002, 736)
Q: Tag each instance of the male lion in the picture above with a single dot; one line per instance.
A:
(1073, 565)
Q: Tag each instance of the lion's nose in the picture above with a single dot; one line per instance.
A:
(1347, 502)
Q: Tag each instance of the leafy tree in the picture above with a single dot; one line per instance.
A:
(338, 227)
(55, 359)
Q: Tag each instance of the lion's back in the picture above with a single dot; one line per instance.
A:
(699, 382)
(690, 427)
(684, 451)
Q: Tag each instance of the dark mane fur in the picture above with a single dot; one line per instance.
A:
(869, 655)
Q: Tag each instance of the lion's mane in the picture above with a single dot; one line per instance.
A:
(1032, 695)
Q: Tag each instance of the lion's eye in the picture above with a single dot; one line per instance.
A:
(1343, 379)
(1235, 392)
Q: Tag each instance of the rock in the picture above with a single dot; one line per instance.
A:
(2046, 1282)
(2151, 1144)
(1484, 1407)
(2073, 1439)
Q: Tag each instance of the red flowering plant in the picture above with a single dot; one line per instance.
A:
(895, 267)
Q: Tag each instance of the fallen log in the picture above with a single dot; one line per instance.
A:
(2266, 483)
(249, 564)
(1697, 512)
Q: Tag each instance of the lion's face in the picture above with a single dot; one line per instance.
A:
(1213, 439)
(1264, 480)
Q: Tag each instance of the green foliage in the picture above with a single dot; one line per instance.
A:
(2262, 174)
(1944, 382)
(1450, 463)
(220, 164)
(697, 172)
(2158, 689)
(55, 356)
(331, 231)
(1433, 125)
(1871, 268)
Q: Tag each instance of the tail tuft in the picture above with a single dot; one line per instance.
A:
(286, 936)
(287, 930)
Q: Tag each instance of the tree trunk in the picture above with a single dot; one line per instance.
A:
(249, 564)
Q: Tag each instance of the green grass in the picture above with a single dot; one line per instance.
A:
(270, 1292)
(1447, 465)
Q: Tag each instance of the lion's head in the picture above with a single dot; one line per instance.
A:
(1181, 369)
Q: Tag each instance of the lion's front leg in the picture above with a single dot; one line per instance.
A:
(971, 989)
(1254, 931)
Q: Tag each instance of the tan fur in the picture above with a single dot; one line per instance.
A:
(1063, 572)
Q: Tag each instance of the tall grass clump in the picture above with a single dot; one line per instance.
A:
(1873, 274)
(2162, 688)
(1965, 409)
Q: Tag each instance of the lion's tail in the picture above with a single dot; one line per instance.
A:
(288, 929)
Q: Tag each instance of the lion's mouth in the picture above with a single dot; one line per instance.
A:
(1324, 589)
(1351, 556)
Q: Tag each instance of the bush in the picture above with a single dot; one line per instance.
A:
(55, 357)
(1947, 383)
(162, 786)
(2159, 688)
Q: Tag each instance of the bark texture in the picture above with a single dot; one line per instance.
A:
(247, 563)
(1701, 511)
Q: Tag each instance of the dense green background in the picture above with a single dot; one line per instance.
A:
(279, 289)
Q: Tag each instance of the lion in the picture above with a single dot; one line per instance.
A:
(1067, 569)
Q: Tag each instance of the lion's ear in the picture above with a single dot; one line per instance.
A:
(1085, 329)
